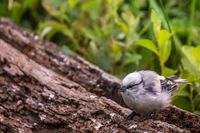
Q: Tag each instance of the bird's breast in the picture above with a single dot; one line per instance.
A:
(146, 103)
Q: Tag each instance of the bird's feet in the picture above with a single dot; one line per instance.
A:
(131, 115)
(142, 117)
(149, 116)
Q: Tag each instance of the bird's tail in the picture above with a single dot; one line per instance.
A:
(177, 80)
(171, 83)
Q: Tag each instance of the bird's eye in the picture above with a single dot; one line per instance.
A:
(131, 86)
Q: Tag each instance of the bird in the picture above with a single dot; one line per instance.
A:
(146, 92)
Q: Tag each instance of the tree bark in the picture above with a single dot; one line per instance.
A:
(43, 90)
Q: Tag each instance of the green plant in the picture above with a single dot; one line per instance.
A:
(163, 47)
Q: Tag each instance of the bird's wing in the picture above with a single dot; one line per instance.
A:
(168, 85)
(151, 90)
(151, 82)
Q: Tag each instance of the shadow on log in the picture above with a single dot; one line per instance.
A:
(43, 90)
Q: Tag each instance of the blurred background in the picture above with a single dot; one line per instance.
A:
(121, 36)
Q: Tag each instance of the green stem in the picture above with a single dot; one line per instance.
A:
(191, 21)
(165, 16)
(191, 99)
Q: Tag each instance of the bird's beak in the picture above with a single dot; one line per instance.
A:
(123, 89)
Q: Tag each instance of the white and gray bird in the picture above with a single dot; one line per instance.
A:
(147, 92)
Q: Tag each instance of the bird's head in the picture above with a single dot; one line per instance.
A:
(131, 81)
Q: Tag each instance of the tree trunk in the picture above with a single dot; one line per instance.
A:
(43, 90)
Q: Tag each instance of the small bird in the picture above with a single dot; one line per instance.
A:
(146, 92)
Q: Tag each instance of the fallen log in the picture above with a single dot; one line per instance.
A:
(49, 55)
(65, 93)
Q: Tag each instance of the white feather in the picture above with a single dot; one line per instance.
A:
(134, 77)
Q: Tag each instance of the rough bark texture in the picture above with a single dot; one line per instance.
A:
(43, 90)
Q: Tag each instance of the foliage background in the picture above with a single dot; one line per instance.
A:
(121, 36)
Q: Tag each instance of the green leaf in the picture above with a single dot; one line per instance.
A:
(99, 56)
(130, 19)
(122, 25)
(197, 99)
(72, 3)
(189, 67)
(66, 50)
(182, 102)
(166, 71)
(55, 8)
(132, 24)
(162, 37)
(132, 58)
(115, 52)
(30, 4)
(193, 55)
(148, 44)
(17, 11)
(183, 93)
(156, 22)
(89, 33)
(49, 28)
(88, 5)
(165, 52)
(197, 112)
